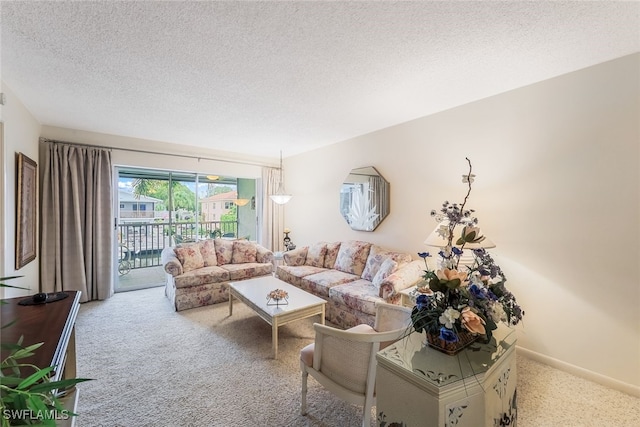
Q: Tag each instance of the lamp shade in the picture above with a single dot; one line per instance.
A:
(439, 238)
(280, 196)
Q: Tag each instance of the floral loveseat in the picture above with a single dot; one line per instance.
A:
(198, 273)
(352, 276)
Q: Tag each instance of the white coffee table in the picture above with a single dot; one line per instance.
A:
(253, 292)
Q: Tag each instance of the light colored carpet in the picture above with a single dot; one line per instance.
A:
(200, 367)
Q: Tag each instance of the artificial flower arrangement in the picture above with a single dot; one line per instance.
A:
(467, 300)
(277, 295)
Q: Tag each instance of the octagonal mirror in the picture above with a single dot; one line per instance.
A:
(364, 199)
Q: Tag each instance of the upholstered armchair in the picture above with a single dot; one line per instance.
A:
(344, 361)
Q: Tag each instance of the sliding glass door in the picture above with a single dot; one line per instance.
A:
(157, 209)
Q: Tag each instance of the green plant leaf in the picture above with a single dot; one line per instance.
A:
(35, 377)
(53, 385)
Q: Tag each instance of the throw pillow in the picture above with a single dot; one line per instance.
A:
(243, 251)
(331, 254)
(189, 256)
(224, 251)
(352, 257)
(208, 251)
(386, 269)
(315, 255)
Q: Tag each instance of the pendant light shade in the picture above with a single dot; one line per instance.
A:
(281, 197)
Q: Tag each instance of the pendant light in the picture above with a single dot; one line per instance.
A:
(281, 197)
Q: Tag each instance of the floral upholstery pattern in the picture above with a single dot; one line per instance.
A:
(294, 273)
(377, 256)
(224, 251)
(331, 254)
(403, 278)
(315, 255)
(263, 255)
(360, 295)
(320, 283)
(350, 298)
(189, 256)
(171, 263)
(202, 276)
(243, 251)
(208, 284)
(208, 251)
(346, 317)
(198, 296)
(247, 270)
(386, 269)
(296, 256)
(352, 257)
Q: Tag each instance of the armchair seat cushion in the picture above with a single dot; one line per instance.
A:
(361, 295)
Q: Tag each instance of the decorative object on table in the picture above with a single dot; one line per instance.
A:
(43, 298)
(467, 300)
(281, 196)
(288, 244)
(26, 210)
(278, 297)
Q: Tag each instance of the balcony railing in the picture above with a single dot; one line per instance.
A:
(142, 242)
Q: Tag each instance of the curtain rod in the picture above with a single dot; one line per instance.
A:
(135, 150)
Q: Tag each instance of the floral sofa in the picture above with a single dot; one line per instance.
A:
(352, 276)
(198, 273)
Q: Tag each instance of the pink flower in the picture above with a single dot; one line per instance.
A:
(472, 322)
(452, 278)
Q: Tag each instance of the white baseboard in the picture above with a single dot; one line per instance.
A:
(580, 372)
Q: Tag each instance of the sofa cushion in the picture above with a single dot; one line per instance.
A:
(296, 256)
(224, 251)
(247, 270)
(360, 295)
(243, 251)
(294, 273)
(385, 270)
(377, 256)
(315, 255)
(189, 256)
(352, 257)
(208, 251)
(331, 254)
(320, 283)
(202, 276)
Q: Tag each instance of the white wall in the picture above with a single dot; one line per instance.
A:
(21, 132)
(557, 190)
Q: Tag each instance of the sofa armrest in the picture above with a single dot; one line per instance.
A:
(263, 255)
(170, 262)
(296, 257)
(403, 278)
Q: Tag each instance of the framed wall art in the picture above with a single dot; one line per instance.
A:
(26, 210)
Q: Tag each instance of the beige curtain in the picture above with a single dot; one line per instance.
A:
(272, 231)
(77, 239)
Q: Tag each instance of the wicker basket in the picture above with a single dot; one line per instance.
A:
(464, 339)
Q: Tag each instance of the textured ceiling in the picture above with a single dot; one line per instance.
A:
(257, 77)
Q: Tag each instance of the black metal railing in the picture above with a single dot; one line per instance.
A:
(142, 242)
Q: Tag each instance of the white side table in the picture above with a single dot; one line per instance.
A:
(419, 386)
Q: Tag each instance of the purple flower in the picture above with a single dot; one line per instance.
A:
(422, 302)
(456, 251)
(448, 335)
(423, 254)
(478, 291)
